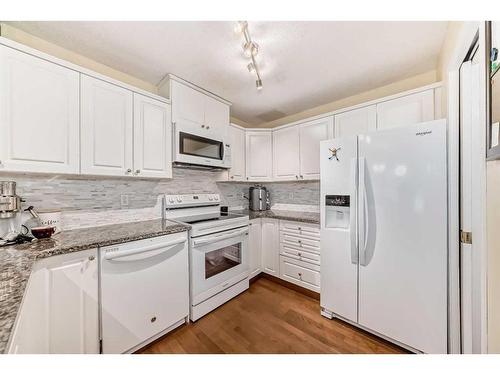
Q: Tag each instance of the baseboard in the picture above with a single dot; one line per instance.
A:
(287, 284)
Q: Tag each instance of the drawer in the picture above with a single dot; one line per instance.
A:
(300, 242)
(300, 254)
(300, 273)
(300, 229)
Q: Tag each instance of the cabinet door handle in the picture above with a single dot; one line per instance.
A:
(137, 171)
(296, 177)
(91, 258)
(203, 126)
(208, 127)
(301, 176)
(128, 171)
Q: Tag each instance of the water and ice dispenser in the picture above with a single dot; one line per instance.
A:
(337, 211)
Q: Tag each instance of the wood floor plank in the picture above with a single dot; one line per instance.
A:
(269, 318)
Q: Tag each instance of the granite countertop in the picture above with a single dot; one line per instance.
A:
(303, 217)
(16, 261)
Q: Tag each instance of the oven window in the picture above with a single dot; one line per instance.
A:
(221, 260)
(194, 145)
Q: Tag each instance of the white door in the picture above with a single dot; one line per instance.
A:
(339, 251)
(402, 236)
(216, 117)
(39, 115)
(59, 314)
(237, 142)
(357, 121)
(152, 138)
(106, 128)
(188, 105)
(270, 246)
(407, 110)
(311, 134)
(259, 148)
(286, 161)
(255, 247)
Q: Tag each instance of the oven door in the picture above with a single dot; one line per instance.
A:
(195, 147)
(218, 261)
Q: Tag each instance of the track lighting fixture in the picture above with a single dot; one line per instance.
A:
(250, 50)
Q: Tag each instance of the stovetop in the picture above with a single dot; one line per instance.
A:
(205, 218)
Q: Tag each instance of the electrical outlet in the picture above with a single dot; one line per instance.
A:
(124, 200)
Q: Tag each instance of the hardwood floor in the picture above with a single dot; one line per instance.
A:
(269, 318)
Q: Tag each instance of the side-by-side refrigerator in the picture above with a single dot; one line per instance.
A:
(384, 233)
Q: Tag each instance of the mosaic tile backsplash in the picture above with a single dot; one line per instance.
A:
(83, 196)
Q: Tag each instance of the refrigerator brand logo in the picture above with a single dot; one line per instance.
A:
(424, 133)
(334, 153)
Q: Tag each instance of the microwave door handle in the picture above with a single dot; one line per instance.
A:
(211, 239)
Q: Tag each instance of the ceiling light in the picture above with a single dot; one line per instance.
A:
(258, 83)
(240, 27)
(251, 67)
(250, 48)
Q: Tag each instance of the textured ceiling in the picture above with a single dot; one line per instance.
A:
(303, 64)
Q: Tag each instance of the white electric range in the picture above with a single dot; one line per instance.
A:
(218, 248)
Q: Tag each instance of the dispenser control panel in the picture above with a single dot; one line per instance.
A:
(338, 200)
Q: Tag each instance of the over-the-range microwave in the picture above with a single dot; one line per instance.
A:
(195, 145)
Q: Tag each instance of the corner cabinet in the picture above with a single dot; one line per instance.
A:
(106, 128)
(259, 152)
(59, 311)
(237, 143)
(39, 115)
(152, 138)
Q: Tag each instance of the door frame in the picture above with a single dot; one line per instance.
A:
(467, 35)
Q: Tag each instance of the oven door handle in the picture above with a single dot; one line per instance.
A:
(204, 241)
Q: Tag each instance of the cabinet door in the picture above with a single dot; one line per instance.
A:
(106, 128)
(39, 115)
(270, 246)
(237, 142)
(259, 160)
(216, 117)
(152, 138)
(357, 121)
(286, 153)
(59, 313)
(188, 105)
(255, 247)
(311, 134)
(407, 110)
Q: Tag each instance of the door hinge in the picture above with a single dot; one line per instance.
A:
(465, 237)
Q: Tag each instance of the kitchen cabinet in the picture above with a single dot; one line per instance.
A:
(237, 145)
(39, 115)
(259, 155)
(255, 247)
(152, 138)
(286, 154)
(406, 110)
(357, 121)
(59, 311)
(197, 109)
(106, 128)
(311, 133)
(270, 246)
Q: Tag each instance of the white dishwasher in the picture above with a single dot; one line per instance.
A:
(144, 291)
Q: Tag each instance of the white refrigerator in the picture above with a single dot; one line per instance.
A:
(384, 233)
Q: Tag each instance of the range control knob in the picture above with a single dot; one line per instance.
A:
(171, 200)
(179, 199)
(210, 198)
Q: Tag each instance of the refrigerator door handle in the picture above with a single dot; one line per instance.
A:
(363, 224)
(353, 210)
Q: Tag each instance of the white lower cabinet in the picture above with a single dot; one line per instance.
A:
(255, 247)
(270, 246)
(59, 311)
(301, 273)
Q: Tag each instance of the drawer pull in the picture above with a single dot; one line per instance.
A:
(300, 275)
(300, 254)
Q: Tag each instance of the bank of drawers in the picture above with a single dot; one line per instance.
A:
(300, 254)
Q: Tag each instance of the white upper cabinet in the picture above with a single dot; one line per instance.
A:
(152, 138)
(39, 115)
(193, 108)
(406, 110)
(216, 116)
(259, 151)
(106, 128)
(311, 134)
(188, 105)
(286, 161)
(237, 142)
(357, 121)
